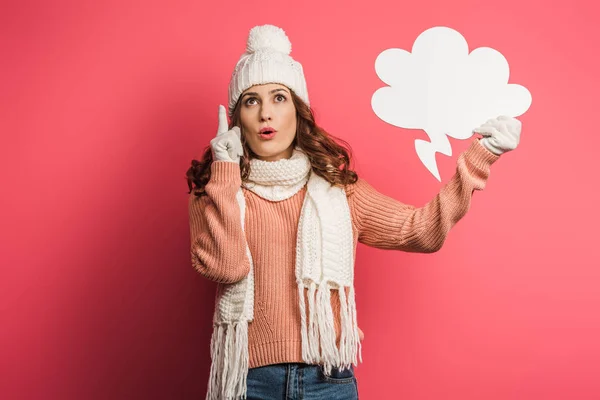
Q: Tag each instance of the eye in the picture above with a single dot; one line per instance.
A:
(279, 98)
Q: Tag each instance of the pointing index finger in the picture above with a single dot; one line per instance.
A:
(223, 124)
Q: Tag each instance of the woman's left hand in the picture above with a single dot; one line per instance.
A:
(501, 134)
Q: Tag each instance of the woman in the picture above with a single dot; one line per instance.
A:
(275, 217)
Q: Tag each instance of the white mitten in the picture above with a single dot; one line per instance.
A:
(227, 145)
(501, 134)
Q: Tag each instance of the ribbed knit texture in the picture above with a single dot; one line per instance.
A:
(218, 242)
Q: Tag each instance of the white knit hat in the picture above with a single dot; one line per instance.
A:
(267, 60)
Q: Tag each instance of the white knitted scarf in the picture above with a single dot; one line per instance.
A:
(324, 261)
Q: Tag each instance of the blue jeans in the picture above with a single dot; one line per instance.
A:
(299, 381)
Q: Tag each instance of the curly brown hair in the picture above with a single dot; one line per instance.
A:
(328, 158)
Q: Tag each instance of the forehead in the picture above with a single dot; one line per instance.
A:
(265, 88)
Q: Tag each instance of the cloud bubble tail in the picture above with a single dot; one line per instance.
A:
(426, 152)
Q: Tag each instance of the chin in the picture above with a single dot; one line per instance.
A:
(269, 153)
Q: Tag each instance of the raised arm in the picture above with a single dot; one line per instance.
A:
(218, 243)
(386, 223)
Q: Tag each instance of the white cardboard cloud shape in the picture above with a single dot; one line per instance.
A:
(443, 89)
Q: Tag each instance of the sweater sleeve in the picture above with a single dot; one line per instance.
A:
(218, 242)
(386, 223)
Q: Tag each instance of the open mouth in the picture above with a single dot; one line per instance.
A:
(267, 133)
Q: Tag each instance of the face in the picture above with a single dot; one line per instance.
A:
(268, 106)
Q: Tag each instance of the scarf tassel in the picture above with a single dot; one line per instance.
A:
(318, 330)
(229, 354)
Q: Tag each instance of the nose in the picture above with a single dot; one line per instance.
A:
(265, 113)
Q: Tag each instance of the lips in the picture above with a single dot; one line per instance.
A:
(267, 133)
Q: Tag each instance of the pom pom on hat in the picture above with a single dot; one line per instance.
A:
(268, 37)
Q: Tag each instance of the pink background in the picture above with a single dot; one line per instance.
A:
(104, 105)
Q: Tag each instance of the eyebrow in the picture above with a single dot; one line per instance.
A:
(271, 92)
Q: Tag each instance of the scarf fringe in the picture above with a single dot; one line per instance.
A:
(318, 332)
(229, 367)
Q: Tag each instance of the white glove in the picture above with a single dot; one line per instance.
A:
(502, 134)
(227, 145)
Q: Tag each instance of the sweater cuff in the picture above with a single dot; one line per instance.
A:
(226, 171)
(479, 156)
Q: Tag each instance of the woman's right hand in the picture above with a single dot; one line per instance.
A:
(227, 145)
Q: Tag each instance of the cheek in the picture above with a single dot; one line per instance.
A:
(246, 140)
(291, 118)
(292, 125)
(248, 116)
(243, 119)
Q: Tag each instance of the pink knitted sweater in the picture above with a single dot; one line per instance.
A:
(218, 243)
